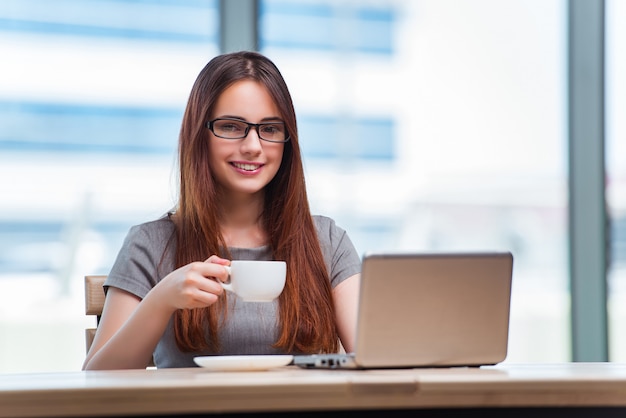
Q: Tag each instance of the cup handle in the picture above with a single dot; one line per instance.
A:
(227, 285)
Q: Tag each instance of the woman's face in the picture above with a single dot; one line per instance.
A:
(245, 166)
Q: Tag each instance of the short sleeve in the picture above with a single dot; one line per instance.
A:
(142, 258)
(342, 259)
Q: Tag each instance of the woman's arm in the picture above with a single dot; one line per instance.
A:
(346, 300)
(130, 328)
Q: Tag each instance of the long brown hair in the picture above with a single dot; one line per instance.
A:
(306, 314)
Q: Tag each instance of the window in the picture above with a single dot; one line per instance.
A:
(328, 26)
(616, 174)
(464, 107)
(432, 126)
(323, 138)
(91, 99)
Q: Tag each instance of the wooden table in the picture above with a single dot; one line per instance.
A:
(574, 389)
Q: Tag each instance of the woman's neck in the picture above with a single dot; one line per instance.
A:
(240, 222)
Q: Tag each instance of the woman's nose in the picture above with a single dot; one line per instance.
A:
(251, 144)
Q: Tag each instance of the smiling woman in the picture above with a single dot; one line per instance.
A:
(242, 197)
(248, 151)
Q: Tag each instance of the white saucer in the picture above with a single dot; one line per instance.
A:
(243, 363)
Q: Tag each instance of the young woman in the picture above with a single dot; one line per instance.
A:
(242, 196)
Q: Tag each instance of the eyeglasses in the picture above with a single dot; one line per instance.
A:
(237, 129)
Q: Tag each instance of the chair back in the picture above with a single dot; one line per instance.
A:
(94, 303)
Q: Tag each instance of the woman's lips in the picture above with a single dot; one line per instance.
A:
(247, 167)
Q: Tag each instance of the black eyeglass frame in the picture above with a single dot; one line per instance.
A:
(256, 126)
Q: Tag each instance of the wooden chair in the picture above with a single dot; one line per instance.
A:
(94, 303)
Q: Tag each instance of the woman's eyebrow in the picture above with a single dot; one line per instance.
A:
(265, 119)
(230, 117)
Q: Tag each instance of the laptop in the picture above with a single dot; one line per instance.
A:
(428, 310)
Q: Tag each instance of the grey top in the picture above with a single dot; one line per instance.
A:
(252, 327)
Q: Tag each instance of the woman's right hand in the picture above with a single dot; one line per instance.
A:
(192, 286)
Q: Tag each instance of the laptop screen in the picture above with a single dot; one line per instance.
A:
(438, 309)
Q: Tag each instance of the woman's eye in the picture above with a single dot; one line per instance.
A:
(231, 127)
(271, 129)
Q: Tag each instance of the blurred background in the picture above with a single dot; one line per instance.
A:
(426, 125)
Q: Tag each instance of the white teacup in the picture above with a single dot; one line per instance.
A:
(255, 280)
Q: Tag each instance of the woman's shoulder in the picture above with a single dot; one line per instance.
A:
(163, 223)
(323, 223)
(327, 228)
(143, 254)
(156, 229)
(341, 257)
